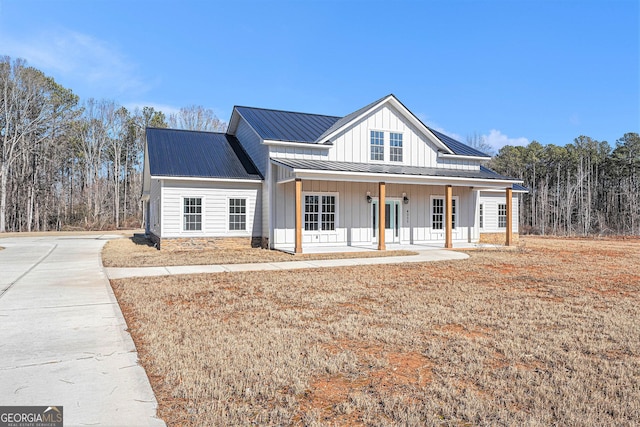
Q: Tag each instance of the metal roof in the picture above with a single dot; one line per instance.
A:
(288, 126)
(327, 165)
(277, 125)
(184, 153)
(458, 147)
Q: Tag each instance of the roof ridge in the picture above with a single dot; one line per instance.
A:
(286, 111)
(187, 130)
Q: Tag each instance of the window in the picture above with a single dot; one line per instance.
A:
(395, 147)
(502, 215)
(319, 212)
(437, 216)
(328, 213)
(237, 214)
(377, 145)
(311, 213)
(437, 213)
(481, 215)
(192, 213)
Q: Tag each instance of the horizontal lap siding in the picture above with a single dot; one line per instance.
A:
(215, 208)
(490, 201)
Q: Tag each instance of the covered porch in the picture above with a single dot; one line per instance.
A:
(318, 207)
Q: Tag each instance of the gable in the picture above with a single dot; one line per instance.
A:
(352, 143)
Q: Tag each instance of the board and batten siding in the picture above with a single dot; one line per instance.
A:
(353, 144)
(490, 202)
(354, 223)
(215, 207)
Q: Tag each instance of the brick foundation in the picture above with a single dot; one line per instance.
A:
(199, 243)
(498, 238)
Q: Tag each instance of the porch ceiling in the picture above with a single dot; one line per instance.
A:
(366, 172)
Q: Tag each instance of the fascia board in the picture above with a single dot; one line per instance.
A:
(461, 157)
(355, 119)
(398, 178)
(297, 144)
(418, 124)
(209, 179)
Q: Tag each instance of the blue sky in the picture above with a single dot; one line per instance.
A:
(513, 71)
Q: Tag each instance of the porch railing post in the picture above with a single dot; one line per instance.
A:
(298, 207)
(509, 231)
(381, 216)
(448, 213)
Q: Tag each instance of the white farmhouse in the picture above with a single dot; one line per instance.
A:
(295, 181)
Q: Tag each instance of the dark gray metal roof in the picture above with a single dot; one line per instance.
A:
(184, 153)
(327, 165)
(458, 147)
(307, 128)
(288, 126)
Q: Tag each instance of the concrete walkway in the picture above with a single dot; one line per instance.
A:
(422, 256)
(63, 339)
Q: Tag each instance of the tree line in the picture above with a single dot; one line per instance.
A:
(583, 188)
(72, 164)
(67, 163)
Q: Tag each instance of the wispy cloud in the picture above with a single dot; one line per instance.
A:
(79, 60)
(497, 140)
(433, 125)
(166, 109)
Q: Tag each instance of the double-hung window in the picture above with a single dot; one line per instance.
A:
(319, 212)
(377, 145)
(237, 214)
(192, 214)
(502, 215)
(437, 213)
(395, 147)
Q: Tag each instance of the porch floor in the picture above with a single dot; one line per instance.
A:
(321, 249)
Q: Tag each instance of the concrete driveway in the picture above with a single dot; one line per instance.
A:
(63, 340)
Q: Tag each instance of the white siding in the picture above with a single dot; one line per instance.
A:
(354, 215)
(353, 144)
(302, 152)
(215, 209)
(490, 201)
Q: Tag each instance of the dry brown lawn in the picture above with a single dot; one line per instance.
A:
(545, 335)
(137, 251)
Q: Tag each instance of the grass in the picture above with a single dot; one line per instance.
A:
(138, 251)
(545, 335)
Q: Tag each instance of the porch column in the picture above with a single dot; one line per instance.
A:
(381, 218)
(448, 212)
(298, 247)
(509, 216)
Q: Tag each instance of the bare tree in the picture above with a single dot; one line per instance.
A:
(196, 118)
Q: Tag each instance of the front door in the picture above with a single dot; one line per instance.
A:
(392, 216)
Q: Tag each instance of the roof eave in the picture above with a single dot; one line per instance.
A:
(462, 157)
(207, 178)
(325, 145)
